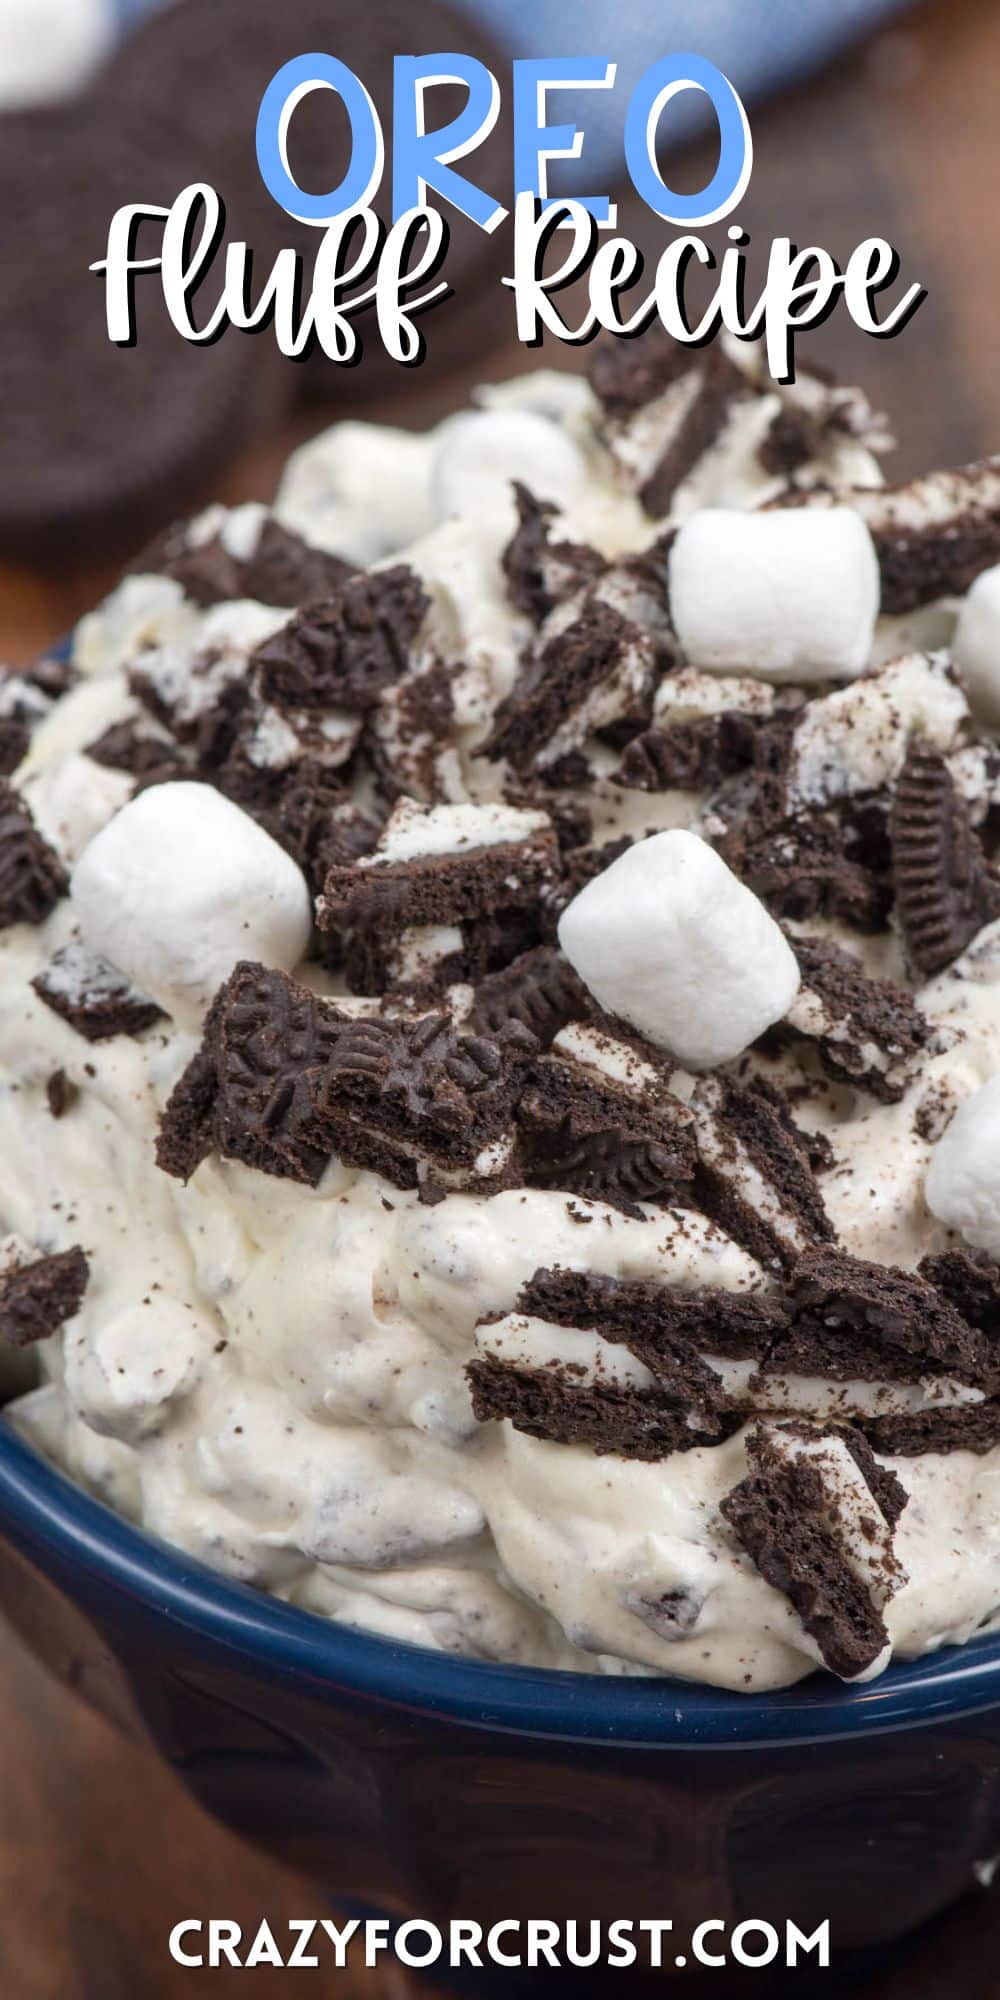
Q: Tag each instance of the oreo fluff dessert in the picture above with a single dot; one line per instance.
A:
(501, 1033)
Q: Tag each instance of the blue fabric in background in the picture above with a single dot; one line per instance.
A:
(761, 45)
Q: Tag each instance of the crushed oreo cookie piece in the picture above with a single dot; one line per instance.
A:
(693, 755)
(412, 736)
(539, 990)
(94, 997)
(272, 564)
(656, 1319)
(32, 877)
(424, 1106)
(851, 1320)
(665, 407)
(970, 1281)
(598, 1119)
(589, 673)
(250, 1092)
(868, 1032)
(816, 1516)
(124, 746)
(971, 1427)
(38, 1294)
(757, 1171)
(789, 443)
(15, 736)
(345, 649)
(283, 1081)
(541, 569)
(608, 1419)
(813, 865)
(436, 885)
(934, 536)
(945, 890)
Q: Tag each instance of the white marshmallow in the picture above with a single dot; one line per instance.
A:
(358, 490)
(791, 595)
(963, 1180)
(181, 885)
(48, 48)
(976, 645)
(669, 939)
(480, 452)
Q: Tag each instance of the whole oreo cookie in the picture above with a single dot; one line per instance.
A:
(102, 443)
(215, 58)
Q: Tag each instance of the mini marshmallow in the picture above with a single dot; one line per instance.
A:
(962, 1187)
(181, 885)
(359, 490)
(668, 939)
(976, 645)
(481, 452)
(790, 595)
(49, 48)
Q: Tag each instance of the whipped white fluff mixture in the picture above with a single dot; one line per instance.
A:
(271, 1375)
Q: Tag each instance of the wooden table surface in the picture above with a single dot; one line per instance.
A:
(100, 1851)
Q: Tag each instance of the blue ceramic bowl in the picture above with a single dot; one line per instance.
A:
(414, 1782)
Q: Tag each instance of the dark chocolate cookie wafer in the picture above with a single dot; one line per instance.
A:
(38, 1294)
(101, 442)
(945, 890)
(278, 568)
(215, 59)
(94, 997)
(799, 1517)
(32, 877)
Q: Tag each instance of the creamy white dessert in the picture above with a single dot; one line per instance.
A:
(519, 1253)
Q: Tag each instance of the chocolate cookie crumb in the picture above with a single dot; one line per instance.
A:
(38, 1296)
(32, 877)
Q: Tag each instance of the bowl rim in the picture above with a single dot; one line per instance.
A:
(92, 1553)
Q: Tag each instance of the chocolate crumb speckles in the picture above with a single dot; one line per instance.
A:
(812, 1516)
(945, 891)
(61, 1093)
(541, 569)
(32, 877)
(412, 735)
(38, 1294)
(868, 1032)
(344, 650)
(93, 997)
